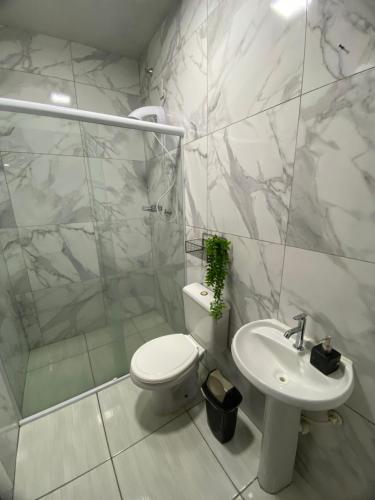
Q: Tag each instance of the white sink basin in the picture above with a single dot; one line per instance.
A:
(270, 362)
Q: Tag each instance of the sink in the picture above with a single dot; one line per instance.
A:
(270, 362)
(291, 384)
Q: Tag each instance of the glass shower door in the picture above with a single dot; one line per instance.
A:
(92, 253)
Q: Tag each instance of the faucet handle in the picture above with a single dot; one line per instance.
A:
(300, 317)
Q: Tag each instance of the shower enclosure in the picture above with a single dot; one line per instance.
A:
(91, 253)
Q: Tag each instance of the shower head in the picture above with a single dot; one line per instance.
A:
(155, 111)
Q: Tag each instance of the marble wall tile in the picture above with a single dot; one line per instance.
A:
(39, 134)
(333, 200)
(13, 345)
(164, 175)
(34, 53)
(61, 254)
(65, 311)
(157, 178)
(161, 50)
(119, 188)
(185, 86)
(15, 263)
(8, 437)
(124, 246)
(337, 294)
(195, 185)
(254, 280)
(32, 133)
(101, 141)
(103, 69)
(211, 5)
(250, 168)
(338, 462)
(192, 13)
(47, 189)
(37, 88)
(14, 353)
(169, 264)
(6, 210)
(167, 240)
(109, 142)
(130, 295)
(195, 270)
(103, 100)
(255, 60)
(29, 319)
(168, 297)
(339, 40)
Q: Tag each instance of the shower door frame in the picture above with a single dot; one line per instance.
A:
(35, 108)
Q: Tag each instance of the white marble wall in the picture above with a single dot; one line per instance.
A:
(71, 225)
(279, 157)
(8, 437)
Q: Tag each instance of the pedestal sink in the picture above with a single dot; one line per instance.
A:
(291, 384)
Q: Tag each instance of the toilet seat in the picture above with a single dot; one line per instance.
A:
(164, 359)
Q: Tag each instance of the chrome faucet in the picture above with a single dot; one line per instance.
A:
(299, 329)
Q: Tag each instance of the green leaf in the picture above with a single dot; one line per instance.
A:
(217, 249)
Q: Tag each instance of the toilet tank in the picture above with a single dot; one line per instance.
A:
(209, 333)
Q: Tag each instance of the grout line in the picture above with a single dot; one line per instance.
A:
(284, 244)
(249, 484)
(149, 434)
(88, 355)
(107, 441)
(293, 173)
(213, 453)
(72, 80)
(359, 414)
(74, 478)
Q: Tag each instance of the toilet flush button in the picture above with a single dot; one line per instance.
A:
(204, 293)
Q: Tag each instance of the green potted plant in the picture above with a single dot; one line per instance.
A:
(217, 249)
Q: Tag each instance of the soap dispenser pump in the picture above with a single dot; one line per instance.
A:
(324, 357)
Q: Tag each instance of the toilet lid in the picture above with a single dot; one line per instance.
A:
(164, 358)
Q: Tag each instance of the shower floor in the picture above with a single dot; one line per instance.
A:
(64, 369)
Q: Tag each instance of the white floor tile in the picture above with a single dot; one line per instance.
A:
(173, 463)
(59, 447)
(148, 320)
(240, 456)
(113, 360)
(52, 353)
(128, 415)
(298, 490)
(54, 383)
(97, 484)
(110, 333)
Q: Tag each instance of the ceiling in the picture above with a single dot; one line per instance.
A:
(120, 26)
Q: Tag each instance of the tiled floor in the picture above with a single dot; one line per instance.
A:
(59, 371)
(113, 446)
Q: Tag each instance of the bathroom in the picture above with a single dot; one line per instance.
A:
(131, 134)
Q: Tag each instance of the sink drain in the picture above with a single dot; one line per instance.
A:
(282, 378)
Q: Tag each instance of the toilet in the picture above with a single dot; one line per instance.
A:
(168, 366)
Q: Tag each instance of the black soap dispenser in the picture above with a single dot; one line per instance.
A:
(324, 357)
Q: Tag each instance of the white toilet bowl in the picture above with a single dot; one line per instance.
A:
(168, 366)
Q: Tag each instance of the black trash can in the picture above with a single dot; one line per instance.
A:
(222, 416)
